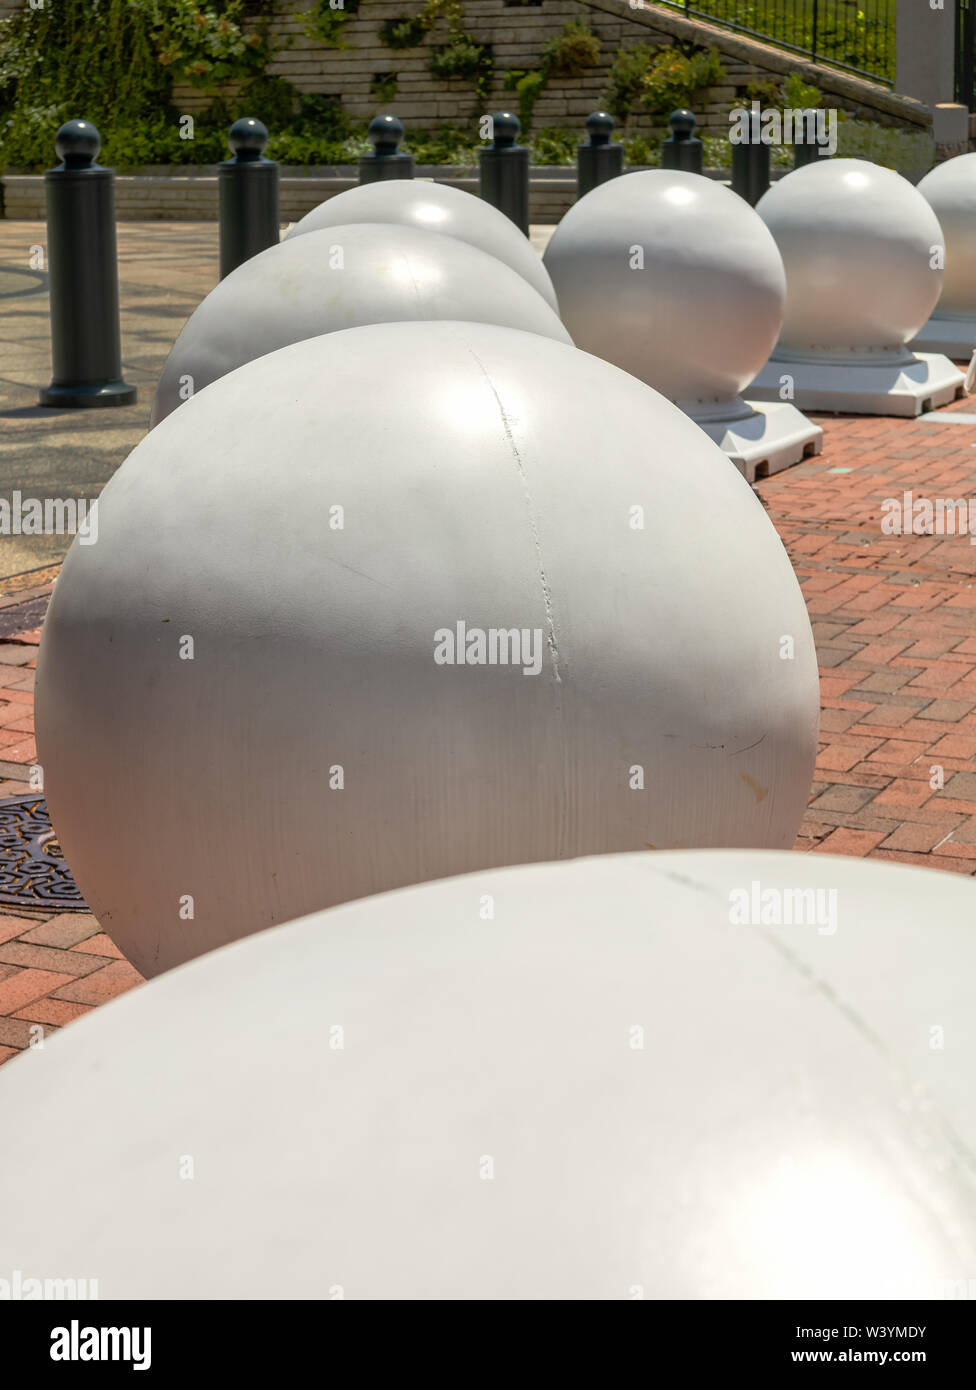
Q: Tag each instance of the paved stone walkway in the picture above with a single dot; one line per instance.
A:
(894, 617)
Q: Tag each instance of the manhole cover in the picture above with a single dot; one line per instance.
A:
(32, 868)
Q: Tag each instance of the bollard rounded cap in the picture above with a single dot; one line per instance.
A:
(599, 127)
(385, 132)
(505, 126)
(682, 123)
(247, 138)
(77, 143)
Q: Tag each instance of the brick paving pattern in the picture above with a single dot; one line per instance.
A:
(894, 619)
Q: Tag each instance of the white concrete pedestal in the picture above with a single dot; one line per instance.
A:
(861, 381)
(953, 336)
(759, 438)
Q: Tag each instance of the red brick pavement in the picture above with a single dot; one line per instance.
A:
(894, 618)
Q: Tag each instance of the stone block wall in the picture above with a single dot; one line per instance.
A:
(516, 34)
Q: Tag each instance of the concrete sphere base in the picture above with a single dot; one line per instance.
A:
(760, 439)
(547, 619)
(895, 381)
(653, 1075)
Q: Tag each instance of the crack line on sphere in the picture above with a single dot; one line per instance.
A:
(546, 593)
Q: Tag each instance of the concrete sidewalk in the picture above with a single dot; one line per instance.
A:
(165, 269)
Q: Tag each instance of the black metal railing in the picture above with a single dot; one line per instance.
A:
(966, 53)
(856, 35)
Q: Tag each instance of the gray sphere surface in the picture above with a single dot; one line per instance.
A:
(950, 190)
(383, 606)
(434, 207)
(606, 1090)
(344, 277)
(673, 278)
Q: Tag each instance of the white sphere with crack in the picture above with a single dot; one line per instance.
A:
(408, 601)
(656, 1076)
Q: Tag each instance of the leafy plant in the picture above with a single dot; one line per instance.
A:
(570, 53)
(452, 144)
(674, 78)
(627, 72)
(462, 57)
(798, 95)
(909, 152)
(384, 86)
(554, 145)
(328, 20)
(409, 31)
(528, 85)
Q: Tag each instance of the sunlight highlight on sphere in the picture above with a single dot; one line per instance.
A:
(436, 206)
(333, 753)
(673, 278)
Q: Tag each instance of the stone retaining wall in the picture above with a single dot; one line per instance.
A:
(162, 197)
(516, 34)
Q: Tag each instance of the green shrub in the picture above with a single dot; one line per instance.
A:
(528, 86)
(627, 73)
(327, 21)
(675, 77)
(450, 145)
(570, 53)
(409, 31)
(798, 95)
(908, 152)
(554, 145)
(384, 86)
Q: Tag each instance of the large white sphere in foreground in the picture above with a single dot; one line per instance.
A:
(346, 277)
(950, 190)
(434, 207)
(607, 1090)
(325, 741)
(672, 277)
(858, 242)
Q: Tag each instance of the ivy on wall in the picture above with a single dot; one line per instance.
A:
(569, 54)
(327, 20)
(114, 62)
(459, 57)
(660, 80)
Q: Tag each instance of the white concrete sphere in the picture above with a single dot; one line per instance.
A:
(607, 1089)
(699, 317)
(858, 242)
(485, 476)
(435, 207)
(950, 190)
(346, 277)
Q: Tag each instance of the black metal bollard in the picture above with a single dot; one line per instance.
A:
(387, 161)
(86, 342)
(750, 164)
(600, 159)
(248, 188)
(806, 150)
(682, 149)
(504, 167)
